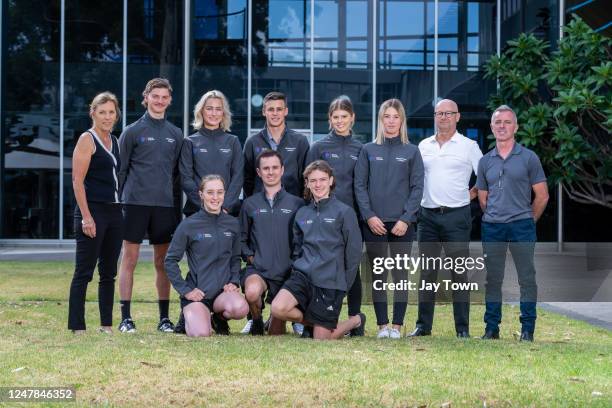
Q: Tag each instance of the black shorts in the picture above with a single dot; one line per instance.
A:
(320, 306)
(208, 302)
(158, 223)
(273, 285)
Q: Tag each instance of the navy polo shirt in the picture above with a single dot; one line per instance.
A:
(509, 183)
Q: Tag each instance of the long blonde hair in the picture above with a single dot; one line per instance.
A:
(397, 105)
(198, 118)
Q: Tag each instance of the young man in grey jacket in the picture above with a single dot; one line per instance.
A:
(266, 220)
(150, 149)
(292, 146)
(327, 251)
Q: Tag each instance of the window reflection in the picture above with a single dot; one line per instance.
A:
(219, 55)
(281, 59)
(93, 63)
(30, 127)
(342, 63)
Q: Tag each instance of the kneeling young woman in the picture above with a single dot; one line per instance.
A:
(211, 240)
(327, 251)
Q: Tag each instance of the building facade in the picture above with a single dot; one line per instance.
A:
(55, 55)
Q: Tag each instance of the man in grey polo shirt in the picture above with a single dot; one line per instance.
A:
(445, 218)
(506, 177)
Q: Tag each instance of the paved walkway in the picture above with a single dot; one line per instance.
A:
(576, 283)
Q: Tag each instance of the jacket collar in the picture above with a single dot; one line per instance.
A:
(211, 133)
(155, 122)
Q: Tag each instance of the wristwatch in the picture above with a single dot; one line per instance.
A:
(85, 223)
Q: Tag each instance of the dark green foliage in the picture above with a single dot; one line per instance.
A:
(564, 106)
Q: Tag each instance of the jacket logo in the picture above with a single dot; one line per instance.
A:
(401, 159)
(305, 222)
(201, 150)
(328, 155)
(353, 157)
(144, 139)
(329, 220)
(228, 234)
(262, 210)
(286, 211)
(170, 140)
(376, 158)
(290, 149)
(225, 150)
(200, 236)
(330, 308)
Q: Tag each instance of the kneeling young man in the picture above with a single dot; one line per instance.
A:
(211, 240)
(327, 251)
(266, 220)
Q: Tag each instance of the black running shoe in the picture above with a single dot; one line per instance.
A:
(220, 325)
(257, 328)
(180, 325)
(308, 332)
(165, 326)
(127, 326)
(359, 331)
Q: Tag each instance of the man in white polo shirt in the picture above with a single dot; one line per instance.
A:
(445, 219)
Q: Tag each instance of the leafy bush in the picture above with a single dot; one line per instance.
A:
(564, 106)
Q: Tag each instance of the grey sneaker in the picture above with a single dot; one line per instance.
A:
(298, 328)
(127, 326)
(165, 326)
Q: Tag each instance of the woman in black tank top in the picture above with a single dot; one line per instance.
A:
(97, 220)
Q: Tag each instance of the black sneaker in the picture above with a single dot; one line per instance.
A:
(220, 325)
(308, 332)
(359, 331)
(180, 325)
(165, 326)
(257, 328)
(127, 326)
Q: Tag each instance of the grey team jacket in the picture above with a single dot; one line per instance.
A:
(212, 244)
(327, 243)
(293, 148)
(341, 153)
(149, 150)
(267, 232)
(211, 152)
(389, 181)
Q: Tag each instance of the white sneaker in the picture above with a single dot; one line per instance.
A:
(383, 333)
(247, 327)
(394, 334)
(298, 328)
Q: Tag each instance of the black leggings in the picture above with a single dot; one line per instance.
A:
(384, 246)
(104, 250)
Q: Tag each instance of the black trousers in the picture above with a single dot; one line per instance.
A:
(103, 249)
(449, 229)
(378, 246)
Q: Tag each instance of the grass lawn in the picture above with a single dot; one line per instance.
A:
(570, 363)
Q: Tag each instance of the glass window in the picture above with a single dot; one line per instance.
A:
(347, 69)
(219, 56)
(405, 60)
(281, 58)
(30, 133)
(155, 49)
(93, 63)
